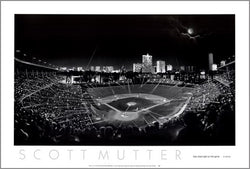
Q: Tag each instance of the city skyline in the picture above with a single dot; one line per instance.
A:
(158, 66)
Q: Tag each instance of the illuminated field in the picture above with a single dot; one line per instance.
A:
(139, 105)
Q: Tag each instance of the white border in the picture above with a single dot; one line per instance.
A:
(239, 153)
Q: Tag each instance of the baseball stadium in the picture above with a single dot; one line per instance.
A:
(125, 79)
(157, 111)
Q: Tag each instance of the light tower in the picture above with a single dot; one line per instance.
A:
(210, 60)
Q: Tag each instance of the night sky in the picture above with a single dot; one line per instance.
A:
(71, 40)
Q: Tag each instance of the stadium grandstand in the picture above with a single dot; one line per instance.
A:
(49, 111)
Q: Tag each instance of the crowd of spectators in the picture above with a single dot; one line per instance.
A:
(48, 112)
(45, 105)
(226, 78)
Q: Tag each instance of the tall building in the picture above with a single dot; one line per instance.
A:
(137, 67)
(223, 63)
(182, 68)
(214, 67)
(147, 66)
(169, 67)
(104, 69)
(210, 60)
(160, 66)
(192, 68)
(98, 68)
(109, 69)
(189, 68)
(79, 69)
(92, 68)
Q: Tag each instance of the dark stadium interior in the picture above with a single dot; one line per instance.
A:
(60, 100)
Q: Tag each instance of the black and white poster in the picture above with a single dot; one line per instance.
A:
(107, 84)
